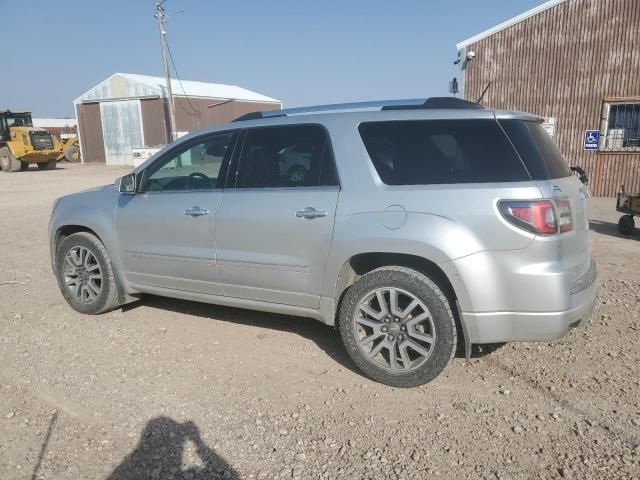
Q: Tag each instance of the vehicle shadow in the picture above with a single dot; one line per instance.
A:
(322, 335)
(608, 228)
(160, 455)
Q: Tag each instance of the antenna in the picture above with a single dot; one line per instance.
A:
(483, 93)
(161, 16)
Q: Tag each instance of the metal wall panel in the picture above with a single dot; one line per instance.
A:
(563, 63)
(122, 127)
(154, 121)
(199, 113)
(90, 129)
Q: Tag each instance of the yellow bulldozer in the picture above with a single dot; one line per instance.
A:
(22, 145)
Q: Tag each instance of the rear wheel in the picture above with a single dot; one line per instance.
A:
(85, 275)
(626, 225)
(8, 163)
(72, 153)
(48, 165)
(398, 327)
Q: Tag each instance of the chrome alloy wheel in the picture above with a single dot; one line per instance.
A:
(395, 329)
(82, 274)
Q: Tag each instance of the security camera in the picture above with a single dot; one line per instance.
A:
(471, 55)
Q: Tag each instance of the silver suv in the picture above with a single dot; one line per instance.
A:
(415, 226)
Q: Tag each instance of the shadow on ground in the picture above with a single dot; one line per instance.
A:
(160, 454)
(609, 228)
(325, 337)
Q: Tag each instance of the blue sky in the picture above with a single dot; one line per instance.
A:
(301, 52)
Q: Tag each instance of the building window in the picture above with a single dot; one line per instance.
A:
(621, 126)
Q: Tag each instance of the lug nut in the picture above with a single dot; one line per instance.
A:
(400, 337)
(387, 320)
(384, 329)
(396, 319)
(390, 337)
(403, 328)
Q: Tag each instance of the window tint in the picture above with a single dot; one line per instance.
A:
(441, 151)
(539, 152)
(290, 156)
(195, 167)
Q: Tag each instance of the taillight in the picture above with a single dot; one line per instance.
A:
(565, 220)
(538, 216)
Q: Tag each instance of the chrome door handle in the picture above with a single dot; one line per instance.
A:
(196, 212)
(310, 213)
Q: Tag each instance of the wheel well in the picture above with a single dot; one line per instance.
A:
(68, 230)
(363, 263)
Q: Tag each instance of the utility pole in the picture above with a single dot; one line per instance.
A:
(162, 18)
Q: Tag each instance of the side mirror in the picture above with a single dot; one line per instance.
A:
(127, 184)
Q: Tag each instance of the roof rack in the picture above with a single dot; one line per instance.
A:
(443, 103)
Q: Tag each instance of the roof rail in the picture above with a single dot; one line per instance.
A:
(408, 104)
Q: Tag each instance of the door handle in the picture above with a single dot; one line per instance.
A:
(196, 212)
(310, 213)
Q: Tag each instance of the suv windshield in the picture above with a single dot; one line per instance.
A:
(539, 152)
(425, 152)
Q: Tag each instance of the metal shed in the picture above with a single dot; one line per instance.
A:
(127, 111)
(576, 63)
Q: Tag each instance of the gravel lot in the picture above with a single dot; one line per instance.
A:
(169, 389)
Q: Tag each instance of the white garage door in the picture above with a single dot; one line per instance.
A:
(122, 130)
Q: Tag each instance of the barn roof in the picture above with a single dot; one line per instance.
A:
(128, 85)
(504, 25)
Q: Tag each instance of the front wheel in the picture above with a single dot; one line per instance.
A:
(85, 275)
(398, 327)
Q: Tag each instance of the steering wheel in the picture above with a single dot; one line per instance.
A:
(198, 178)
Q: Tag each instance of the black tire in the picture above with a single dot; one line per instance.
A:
(9, 163)
(107, 298)
(48, 165)
(423, 289)
(297, 175)
(72, 153)
(626, 225)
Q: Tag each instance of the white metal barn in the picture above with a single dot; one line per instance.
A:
(128, 111)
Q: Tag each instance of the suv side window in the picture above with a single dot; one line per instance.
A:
(286, 156)
(426, 152)
(198, 165)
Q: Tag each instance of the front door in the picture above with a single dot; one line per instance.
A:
(275, 220)
(166, 231)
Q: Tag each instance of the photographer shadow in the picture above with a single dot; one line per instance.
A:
(161, 451)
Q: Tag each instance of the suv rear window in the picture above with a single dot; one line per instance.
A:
(427, 152)
(539, 152)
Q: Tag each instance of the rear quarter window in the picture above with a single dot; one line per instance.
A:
(538, 150)
(428, 152)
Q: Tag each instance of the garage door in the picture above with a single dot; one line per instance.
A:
(122, 130)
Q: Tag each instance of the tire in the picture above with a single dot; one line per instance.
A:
(297, 175)
(72, 153)
(626, 225)
(79, 257)
(24, 166)
(399, 333)
(9, 163)
(48, 165)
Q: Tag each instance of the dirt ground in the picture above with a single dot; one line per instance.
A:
(169, 389)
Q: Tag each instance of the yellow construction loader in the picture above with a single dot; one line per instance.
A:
(21, 144)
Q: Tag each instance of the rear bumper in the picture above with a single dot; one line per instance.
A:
(492, 327)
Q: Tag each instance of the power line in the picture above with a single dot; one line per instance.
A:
(196, 112)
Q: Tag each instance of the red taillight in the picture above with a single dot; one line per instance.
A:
(539, 216)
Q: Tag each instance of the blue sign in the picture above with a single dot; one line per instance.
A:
(591, 139)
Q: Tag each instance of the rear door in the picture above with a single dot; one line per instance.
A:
(275, 220)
